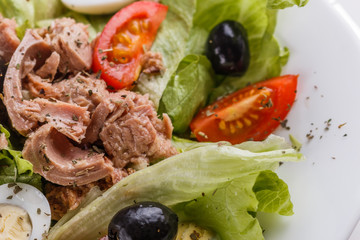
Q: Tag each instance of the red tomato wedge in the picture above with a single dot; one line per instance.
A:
(251, 113)
(118, 51)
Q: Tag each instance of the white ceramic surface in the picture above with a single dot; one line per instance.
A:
(324, 41)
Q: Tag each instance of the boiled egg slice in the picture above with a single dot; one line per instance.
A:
(15, 223)
(96, 6)
(21, 206)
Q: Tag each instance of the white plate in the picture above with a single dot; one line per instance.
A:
(324, 42)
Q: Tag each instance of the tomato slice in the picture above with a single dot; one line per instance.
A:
(251, 113)
(118, 51)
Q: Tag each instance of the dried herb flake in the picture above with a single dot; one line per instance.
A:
(75, 118)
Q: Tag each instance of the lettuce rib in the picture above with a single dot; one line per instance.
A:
(171, 42)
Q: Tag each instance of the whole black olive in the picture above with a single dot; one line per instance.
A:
(228, 48)
(145, 220)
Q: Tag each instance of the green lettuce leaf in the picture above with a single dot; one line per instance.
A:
(21, 10)
(273, 194)
(7, 169)
(20, 30)
(27, 13)
(14, 168)
(222, 211)
(228, 210)
(6, 133)
(281, 4)
(265, 54)
(181, 179)
(47, 9)
(267, 58)
(189, 86)
(40, 13)
(171, 42)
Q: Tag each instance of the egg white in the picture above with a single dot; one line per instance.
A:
(31, 200)
(96, 6)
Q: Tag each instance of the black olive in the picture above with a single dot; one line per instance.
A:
(145, 220)
(3, 68)
(228, 48)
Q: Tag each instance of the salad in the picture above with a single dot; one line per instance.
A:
(105, 111)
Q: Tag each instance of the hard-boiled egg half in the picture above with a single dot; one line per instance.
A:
(24, 212)
(96, 6)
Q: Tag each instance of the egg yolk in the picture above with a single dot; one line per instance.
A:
(15, 223)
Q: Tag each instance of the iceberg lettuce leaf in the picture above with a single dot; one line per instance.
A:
(271, 143)
(181, 179)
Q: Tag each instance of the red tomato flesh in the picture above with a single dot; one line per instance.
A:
(251, 113)
(118, 51)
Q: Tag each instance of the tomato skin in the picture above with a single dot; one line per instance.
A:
(251, 113)
(122, 75)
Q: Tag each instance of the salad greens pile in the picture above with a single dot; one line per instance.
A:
(40, 13)
(184, 40)
(216, 185)
(13, 168)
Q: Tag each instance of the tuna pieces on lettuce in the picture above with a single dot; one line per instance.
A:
(68, 114)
